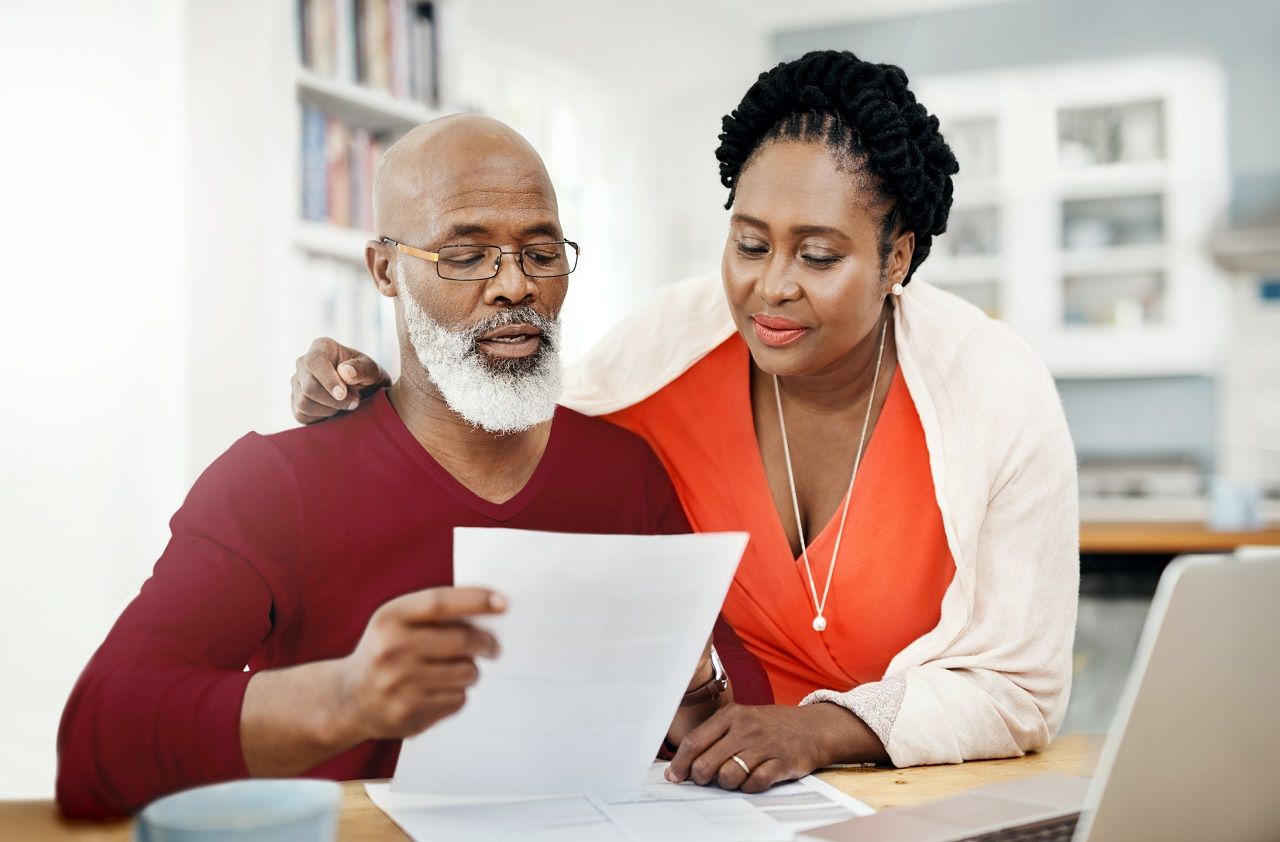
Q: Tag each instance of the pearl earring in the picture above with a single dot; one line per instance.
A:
(896, 289)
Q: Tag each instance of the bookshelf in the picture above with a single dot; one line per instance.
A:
(361, 105)
(1085, 197)
(364, 73)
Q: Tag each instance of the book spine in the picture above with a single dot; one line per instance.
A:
(314, 182)
(359, 29)
(361, 184)
(398, 44)
(379, 58)
(302, 29)
(424, 55)
(344, 58)
(338, 150)
(323, 34)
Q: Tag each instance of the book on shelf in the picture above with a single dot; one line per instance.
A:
(338, 172)
(338, 165)
(314, 188)
(385, 45)
(424, 54)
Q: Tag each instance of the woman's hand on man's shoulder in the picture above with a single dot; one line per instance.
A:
(331, 379)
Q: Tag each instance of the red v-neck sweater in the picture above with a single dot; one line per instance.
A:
(282, 551)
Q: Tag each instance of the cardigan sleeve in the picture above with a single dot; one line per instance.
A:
(999, 688)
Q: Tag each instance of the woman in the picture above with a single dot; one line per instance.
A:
(901, 461)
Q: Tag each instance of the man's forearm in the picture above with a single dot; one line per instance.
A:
(690, 717)
(290, 722)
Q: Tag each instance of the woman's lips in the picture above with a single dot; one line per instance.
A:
(777, 332)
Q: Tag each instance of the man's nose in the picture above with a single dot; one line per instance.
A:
(511, 284)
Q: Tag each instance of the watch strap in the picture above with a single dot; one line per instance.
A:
(712, 689)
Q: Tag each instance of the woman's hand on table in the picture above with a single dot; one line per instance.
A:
(776, 742)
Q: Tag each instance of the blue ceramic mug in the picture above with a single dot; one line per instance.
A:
(262, 810)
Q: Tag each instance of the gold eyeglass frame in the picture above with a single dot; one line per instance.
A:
(434, 257)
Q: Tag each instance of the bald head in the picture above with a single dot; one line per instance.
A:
(455, 174)
(466, 182)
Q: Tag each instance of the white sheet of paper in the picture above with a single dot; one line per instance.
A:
(797, 806)
(657, 811)
(598, 643)
(563, 819)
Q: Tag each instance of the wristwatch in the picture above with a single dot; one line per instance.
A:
(711, 690)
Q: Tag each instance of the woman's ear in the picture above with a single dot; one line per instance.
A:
(904, 246)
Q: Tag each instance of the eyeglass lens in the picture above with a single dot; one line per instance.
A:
(474, 263)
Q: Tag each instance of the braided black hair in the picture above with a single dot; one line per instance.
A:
(866, 114)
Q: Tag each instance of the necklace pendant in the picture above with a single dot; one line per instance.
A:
(819, 623)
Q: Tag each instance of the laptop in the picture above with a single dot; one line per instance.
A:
(1195, 749)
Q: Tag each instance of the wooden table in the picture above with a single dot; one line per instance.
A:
(1167, 538)
(881, 788)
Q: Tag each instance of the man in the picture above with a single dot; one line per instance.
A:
(321, 557)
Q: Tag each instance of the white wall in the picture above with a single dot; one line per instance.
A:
(91, 326)
(248, 321)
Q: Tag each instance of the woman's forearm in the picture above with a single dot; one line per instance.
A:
(844, 737)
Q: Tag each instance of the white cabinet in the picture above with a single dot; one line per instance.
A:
(1085, 198)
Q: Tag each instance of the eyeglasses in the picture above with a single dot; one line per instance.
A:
(481, 262)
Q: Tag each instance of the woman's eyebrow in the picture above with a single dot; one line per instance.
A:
(798, 230)
(827, 230)
(749, 220)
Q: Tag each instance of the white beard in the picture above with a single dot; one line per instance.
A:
(499, 396)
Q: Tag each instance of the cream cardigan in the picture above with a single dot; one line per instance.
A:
(992, 678)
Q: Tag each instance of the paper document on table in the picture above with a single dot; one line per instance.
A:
(657, 811)
(796, 806)
(600, 638)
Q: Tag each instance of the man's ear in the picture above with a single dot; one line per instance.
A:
(379, 258)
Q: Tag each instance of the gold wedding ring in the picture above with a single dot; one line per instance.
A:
(742, 763)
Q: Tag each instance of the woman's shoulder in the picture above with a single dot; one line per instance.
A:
(982, 381)
(680, 325)
(954, 338)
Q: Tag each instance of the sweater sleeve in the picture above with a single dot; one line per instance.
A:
(1000, 687)
(157, 708)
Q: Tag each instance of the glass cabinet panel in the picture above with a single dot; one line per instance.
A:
(971, 232)
(1105, 223)
(1126, 301)
(974, 145)
(984, 294)
(1115, 134)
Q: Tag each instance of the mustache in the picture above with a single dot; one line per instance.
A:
(520, 315)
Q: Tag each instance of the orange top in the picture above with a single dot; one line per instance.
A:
(894, 562)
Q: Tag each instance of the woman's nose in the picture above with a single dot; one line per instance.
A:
(776, 281)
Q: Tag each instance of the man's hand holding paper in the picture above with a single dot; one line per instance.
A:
(601, 638)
